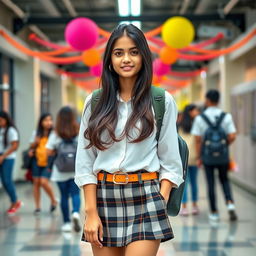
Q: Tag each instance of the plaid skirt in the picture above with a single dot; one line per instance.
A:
(132, 212)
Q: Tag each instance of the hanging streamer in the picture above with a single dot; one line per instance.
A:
(175, 82)
(56, 60)
(73, 74)
(228, 49)
(188, 73)
(35, 38)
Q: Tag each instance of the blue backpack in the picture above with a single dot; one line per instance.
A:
(215, 145)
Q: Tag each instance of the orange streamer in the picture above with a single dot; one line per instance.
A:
(154, 49)
(58, 51)
(59, 60)
(91, 84)
(153, 32)
(73, 74)
(228, 49)
(175, 82)
(104, 33)
(148, 34)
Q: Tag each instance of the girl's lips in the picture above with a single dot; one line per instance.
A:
(127, 68)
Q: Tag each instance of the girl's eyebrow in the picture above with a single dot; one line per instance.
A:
(121, 49)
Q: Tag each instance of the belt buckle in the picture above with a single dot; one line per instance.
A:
(121, 173)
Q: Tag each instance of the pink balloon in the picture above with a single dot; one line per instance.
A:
(81, 33)
(96, 70)
(159, 68)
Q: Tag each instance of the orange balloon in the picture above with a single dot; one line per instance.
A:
(156, 80)
(91, 57)
(168, 55)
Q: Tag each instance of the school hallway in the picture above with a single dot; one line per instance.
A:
(27, 235)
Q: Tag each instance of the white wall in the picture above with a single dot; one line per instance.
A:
(27, 99)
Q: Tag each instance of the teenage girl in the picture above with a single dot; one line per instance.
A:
(40, 170)
(189, 114)
(66, 129)
(9, 142)
(119, 164)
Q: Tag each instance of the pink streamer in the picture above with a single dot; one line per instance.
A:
(38, 40)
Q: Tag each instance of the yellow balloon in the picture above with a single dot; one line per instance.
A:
(178, 32)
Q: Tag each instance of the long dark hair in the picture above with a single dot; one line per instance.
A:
(66, 124)
(105, 117)
(9, 123)
(40, 128)
(187, 120)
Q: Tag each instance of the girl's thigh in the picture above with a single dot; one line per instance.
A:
(108, 251)
(142, 247)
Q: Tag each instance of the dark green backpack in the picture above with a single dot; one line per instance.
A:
(158, 100)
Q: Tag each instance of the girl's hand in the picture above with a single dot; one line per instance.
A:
(165, 189)
(93, 229)
(165, 196)
(199, 163)
(1, 159)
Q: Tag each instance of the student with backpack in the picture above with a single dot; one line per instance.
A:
(214, 131)
(40, 171)
(63, 144)
(124, 166)
(189, 114)
(9, 143)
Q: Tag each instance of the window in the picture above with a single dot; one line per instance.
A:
(45, 94)
(6, 84)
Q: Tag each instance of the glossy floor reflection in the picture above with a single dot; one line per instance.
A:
(27, 235)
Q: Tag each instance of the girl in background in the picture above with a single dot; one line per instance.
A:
(9, 142)
(66, 130)
(40, 170)
(189, 114)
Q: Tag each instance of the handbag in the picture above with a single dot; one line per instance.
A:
(26, 160)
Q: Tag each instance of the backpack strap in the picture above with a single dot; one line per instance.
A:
(95, 98)
(206, 119)
(158, 102)
(221, 117)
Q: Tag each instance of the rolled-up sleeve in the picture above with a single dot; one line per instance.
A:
(168, 148)
(85, 158)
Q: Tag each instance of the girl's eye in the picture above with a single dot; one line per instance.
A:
(118, 54)
(134, 52)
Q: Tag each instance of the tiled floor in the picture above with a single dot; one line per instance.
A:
(27, 235)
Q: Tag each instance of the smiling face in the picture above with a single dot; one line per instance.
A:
(3, 122)
(47, 123)
(126, 58)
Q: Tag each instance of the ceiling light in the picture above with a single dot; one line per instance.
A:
(135, 7)
(137, 24)
(123, 8)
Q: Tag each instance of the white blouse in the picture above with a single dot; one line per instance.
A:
(129, 157)
(12, 135)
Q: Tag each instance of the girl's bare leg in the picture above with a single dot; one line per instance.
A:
(108, 251)
(142, 247)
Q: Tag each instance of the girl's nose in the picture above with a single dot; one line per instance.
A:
(126, 58)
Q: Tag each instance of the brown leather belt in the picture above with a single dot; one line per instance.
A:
(124, 178)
